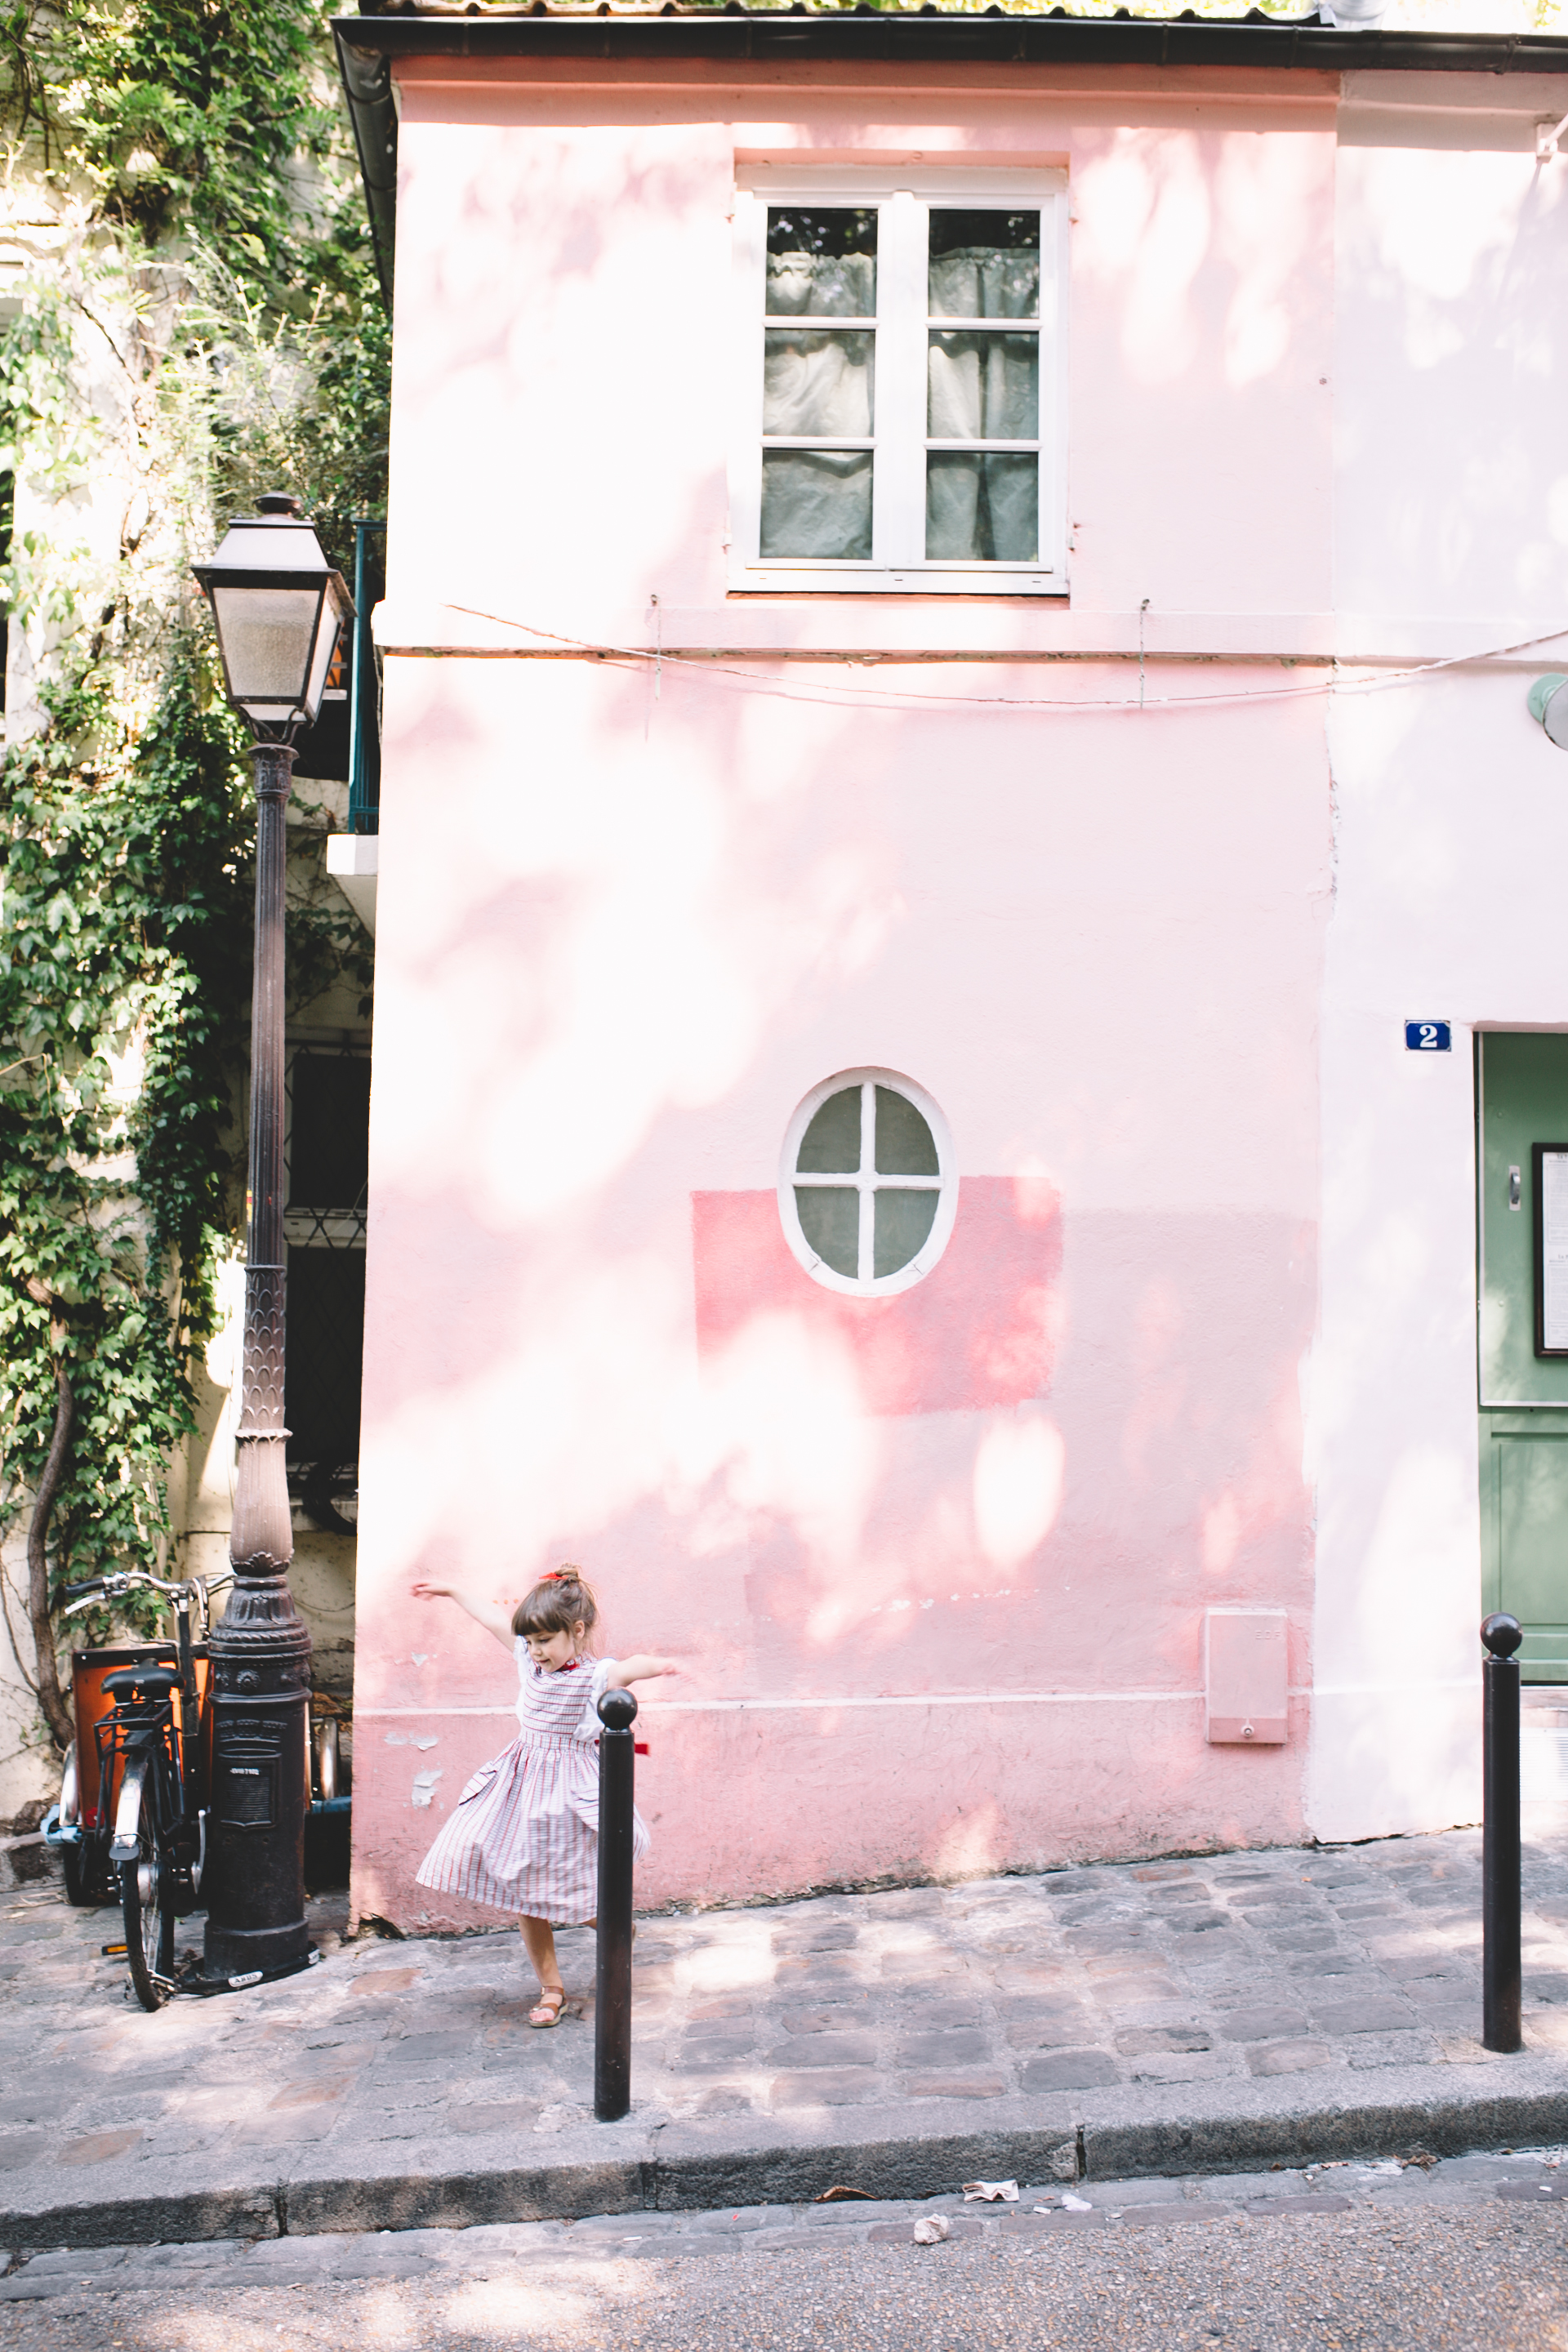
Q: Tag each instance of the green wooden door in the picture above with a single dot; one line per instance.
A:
(1522, 1099)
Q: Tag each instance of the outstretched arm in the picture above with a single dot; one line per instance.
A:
(488, 1613)
(640, 1670)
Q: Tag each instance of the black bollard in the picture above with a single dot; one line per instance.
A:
(613, 2010)
(1500, 1875)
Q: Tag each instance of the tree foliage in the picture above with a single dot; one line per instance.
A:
(193, 148)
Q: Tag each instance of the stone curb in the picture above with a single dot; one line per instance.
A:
(651, 2164)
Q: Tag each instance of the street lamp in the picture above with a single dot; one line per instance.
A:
(279, 607)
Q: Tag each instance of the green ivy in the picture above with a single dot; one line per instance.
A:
(198, 134)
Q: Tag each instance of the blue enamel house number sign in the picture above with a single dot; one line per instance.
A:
(1428, 1037)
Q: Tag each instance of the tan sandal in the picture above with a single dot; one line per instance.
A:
(547, 2009)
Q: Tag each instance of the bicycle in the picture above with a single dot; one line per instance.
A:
(143, 1824)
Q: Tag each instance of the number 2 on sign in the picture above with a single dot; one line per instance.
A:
(1428, 1037)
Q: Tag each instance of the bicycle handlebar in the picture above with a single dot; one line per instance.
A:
(122, 1580)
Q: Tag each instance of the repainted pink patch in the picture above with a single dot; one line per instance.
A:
(979, 1330)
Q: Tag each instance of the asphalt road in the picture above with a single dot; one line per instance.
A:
(1434, 2262)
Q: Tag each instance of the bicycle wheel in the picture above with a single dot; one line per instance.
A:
(147, 1899)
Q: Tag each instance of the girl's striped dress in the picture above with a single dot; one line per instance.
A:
(524, 1835)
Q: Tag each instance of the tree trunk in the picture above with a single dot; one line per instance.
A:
(51, 1699)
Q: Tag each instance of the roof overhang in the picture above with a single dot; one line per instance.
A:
(369, 44)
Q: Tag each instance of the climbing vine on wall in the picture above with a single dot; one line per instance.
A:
(216, 243)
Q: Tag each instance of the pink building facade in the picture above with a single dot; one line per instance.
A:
(909, 845)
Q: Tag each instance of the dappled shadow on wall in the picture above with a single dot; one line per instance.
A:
(979, 1331)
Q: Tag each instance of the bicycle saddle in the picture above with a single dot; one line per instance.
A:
(154, 1683)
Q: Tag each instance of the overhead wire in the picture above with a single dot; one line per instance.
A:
(1341, 677)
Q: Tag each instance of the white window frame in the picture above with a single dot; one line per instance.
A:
(899, 565)
(866, 1182)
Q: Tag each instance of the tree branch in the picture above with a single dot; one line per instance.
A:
(51, 1699)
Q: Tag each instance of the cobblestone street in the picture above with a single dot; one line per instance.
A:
(1097, 2012)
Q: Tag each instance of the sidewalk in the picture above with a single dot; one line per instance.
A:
(1229, 2014)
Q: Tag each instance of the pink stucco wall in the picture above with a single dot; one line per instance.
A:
(938, 1564)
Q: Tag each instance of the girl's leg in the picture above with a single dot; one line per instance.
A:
(539, 1939)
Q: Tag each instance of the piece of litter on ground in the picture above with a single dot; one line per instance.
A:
(933, 2229)
(1077, 2205)
(1053, 2206)
(1005, 2192)
(839, 2195)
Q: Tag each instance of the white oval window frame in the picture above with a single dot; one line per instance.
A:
(928, 1255)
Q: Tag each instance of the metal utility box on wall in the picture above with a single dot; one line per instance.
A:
(1243, 1677)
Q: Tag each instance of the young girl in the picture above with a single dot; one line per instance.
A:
(524, 1835)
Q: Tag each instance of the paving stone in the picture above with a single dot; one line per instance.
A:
(824, 2050)
(507, 2116)
(954, 2086)
(1391, 2050)
(1119, 1994)
(289, 2130)
(1053, 2004)
(1179, 2066)
(1070, 2070)
(1287, 2057)
(1261, 2024)
(941, 2049)
(100, 2148)
(942, 2010)
(849, 2086)
(1346, 2017)
(423, 2050)
(1051, 2034)
(707, 2058)
(1138, 2041)
(322, 2093)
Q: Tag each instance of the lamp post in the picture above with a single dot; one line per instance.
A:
(277, 606)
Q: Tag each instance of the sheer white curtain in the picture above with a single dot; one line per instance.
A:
(982, 385)
(817, 502)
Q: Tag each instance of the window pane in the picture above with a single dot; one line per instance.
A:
(904, 1222)
(328, 1140)
(823, 265)
(325, 1365)
(817, 502)
(830, 1220)
(982, 509)
(818, 384)
(984, 264)
(831, 1144)
(905, 1145)
(983, 387)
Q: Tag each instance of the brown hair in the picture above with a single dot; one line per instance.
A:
(561, 1599)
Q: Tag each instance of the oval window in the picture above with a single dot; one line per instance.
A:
(868, 1191)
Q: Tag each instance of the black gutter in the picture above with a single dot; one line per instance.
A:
(734, 34)
(367, 85)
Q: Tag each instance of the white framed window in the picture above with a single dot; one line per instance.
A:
(868, 1185)
(900, 382)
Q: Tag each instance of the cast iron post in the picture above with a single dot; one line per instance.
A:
(1500, 1876)
(613, 2007)
(255, 1882)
